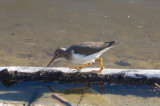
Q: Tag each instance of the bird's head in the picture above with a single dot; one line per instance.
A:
(58, 55)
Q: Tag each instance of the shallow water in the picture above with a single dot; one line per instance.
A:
(31, 30)
(80, 94)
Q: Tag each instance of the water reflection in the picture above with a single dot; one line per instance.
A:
(77, 93)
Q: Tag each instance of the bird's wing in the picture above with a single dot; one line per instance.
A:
(87, 48)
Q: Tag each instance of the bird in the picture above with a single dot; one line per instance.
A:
(83, 53)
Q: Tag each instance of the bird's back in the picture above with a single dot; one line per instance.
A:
(88, 48)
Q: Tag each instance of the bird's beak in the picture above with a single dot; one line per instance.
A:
(51, 62)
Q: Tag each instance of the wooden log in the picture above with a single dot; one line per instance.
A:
(15, 74)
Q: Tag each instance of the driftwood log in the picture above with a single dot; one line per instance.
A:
(14, 74)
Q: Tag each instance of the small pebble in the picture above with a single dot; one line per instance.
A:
(12, 34)
(139, 26)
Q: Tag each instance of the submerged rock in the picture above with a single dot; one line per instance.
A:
(123, 63)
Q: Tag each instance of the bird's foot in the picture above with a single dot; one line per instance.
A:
(80, 67)
(99, 71)
(77, 68)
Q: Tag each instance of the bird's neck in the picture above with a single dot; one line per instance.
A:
(67, 55)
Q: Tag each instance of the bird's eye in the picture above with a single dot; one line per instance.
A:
(56, 54)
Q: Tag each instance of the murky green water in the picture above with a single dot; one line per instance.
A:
(30, 31)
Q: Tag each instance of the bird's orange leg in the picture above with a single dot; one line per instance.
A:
(100, 70)
(82, 66)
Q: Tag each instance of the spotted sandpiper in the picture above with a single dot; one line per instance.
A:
(83, 53)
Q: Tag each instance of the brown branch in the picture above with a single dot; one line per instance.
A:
(157, 86)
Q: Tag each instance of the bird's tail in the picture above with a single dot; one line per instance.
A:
(112, 43)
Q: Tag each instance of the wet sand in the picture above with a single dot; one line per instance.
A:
(30, 31)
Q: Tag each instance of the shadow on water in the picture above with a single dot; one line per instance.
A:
(32, 90)
(142, 91)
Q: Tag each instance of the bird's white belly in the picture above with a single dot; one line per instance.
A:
(82, 59)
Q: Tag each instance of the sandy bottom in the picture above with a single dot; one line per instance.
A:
(129, 100)
(31, 30)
